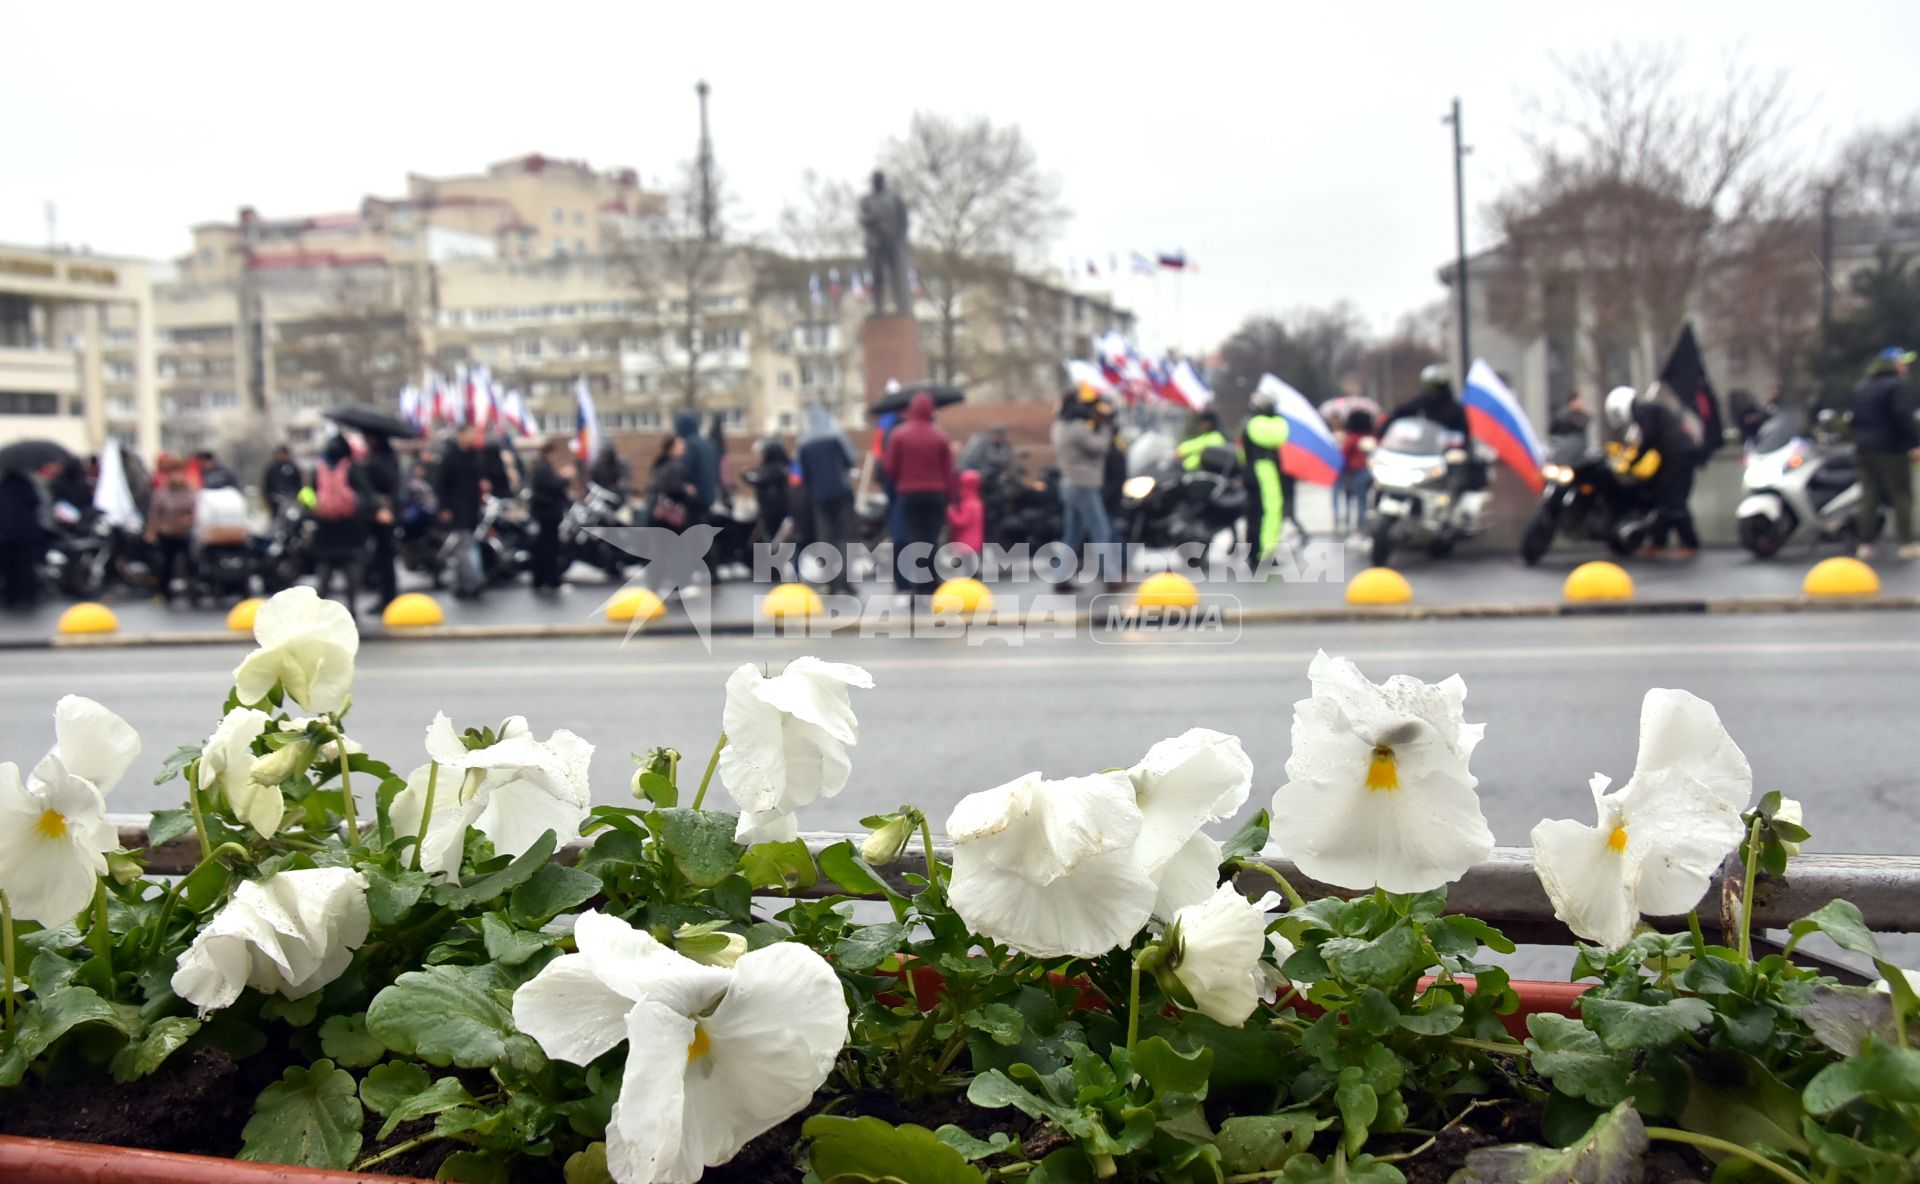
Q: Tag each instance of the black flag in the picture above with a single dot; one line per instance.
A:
(1685, 374)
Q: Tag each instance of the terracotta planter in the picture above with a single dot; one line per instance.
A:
(48, 1161)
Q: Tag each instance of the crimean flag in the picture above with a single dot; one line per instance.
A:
(1310, 453)
(1187, 387)
(1495, 418)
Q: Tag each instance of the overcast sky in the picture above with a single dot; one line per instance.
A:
(1294, 151)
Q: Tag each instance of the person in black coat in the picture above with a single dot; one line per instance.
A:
(771, 481)
(340, 545)
(460, 486)
(282, 481)
(550, 497)
(383, 475)
(23, 539)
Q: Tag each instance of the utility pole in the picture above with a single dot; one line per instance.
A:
(706, 166)
(53, 239)
(1460, 237)
(1826, 270)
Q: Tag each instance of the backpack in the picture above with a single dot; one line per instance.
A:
(333, 486)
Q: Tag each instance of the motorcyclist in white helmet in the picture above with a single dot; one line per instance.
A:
(1656, 448)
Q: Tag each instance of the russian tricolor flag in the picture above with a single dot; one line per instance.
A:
(1496, 420)
(1310, 453)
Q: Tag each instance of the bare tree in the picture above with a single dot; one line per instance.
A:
(823, 221)
(1878, 172)
(1309, 349)
(1638, 179)
(694, 281)
(358, 347)
(980, 206)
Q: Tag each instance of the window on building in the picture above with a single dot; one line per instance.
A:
(579, 218)
(559, 217)
(786, 380)
(806, 374)
(223, 400)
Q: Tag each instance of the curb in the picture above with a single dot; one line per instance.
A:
(1333, 614)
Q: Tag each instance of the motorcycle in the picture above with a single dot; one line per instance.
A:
(1794, 481)
(1418, 469)
(505, 536)
(1586, 499)
(1173, 506)
(1021, 509)
(286, 553)
(602, 507)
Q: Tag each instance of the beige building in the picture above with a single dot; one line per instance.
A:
(546, 271)
(77, 350)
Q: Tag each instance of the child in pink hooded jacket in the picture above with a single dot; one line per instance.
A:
(966, 517)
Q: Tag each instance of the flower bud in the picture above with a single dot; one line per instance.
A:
(284, 762)
(718, 948)
(885, 844)
(1791, 813)
(123, 868)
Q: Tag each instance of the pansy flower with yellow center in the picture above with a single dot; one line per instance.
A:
(1656, 841)
(715, 1056)
(54, 833)
(1378, 793)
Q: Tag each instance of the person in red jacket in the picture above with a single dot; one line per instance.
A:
(919, 462)
(966, 517)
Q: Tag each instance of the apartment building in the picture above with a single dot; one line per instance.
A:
(77, 349)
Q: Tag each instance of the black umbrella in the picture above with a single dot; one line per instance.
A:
(894, 402)
(27, 455)
(371, 420)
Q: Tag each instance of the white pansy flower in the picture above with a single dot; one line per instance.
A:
(787, 741)
(1659, 838)
(1378, 793)
(307, 645)
(512, 791)
(226, 764)
(715, 1056)
(289, 934)
(1197, 777)
(1217, 954)
(1913, 982)
(54, 833)
(1048, 867)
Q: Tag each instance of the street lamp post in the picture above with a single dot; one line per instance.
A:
(706, 166)
(1460, 236)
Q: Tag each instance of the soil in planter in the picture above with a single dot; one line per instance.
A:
(197, 1103)
(1517, 1122)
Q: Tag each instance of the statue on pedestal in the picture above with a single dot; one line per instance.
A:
(883, 219)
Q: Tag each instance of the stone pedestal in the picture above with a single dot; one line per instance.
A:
(890, 352)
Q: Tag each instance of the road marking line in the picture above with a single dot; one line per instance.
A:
(1185, 657)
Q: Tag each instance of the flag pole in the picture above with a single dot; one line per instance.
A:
(1460, 236)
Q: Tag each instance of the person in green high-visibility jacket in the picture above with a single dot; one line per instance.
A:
(1260, 442)
(1206, 435)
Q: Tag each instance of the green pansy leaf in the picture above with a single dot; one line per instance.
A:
(1001, 1022)
(867, 1150)
(310, 1117)
(1381, 961)
(1068, 1165)
(49, 1017)
(994, 1090)
(164, 1037)
(1842, 923)
(450, 1015)
(480, 889)
(553, 889)
(701, 843)
(401, 1091)
(1437, 1020)
(656, 788)
(473, 1167)
(1361, 1169)
(391, 894)
(1481, 933)
(841, 864)
(298, 1012)
(1623, 1025)
(509, 946)
(1564, 1051)
(168, 825)
(1265, 1143)
(1170, 1071)
(588, 1166)
(788, 866)
(869, 945)
(1877, 1071)
(1359, 1105)
(346, 1040)
(1611, 1153)
(1844, 1016)
(1249, 840)
(998, 1143)
(1758, 1112)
